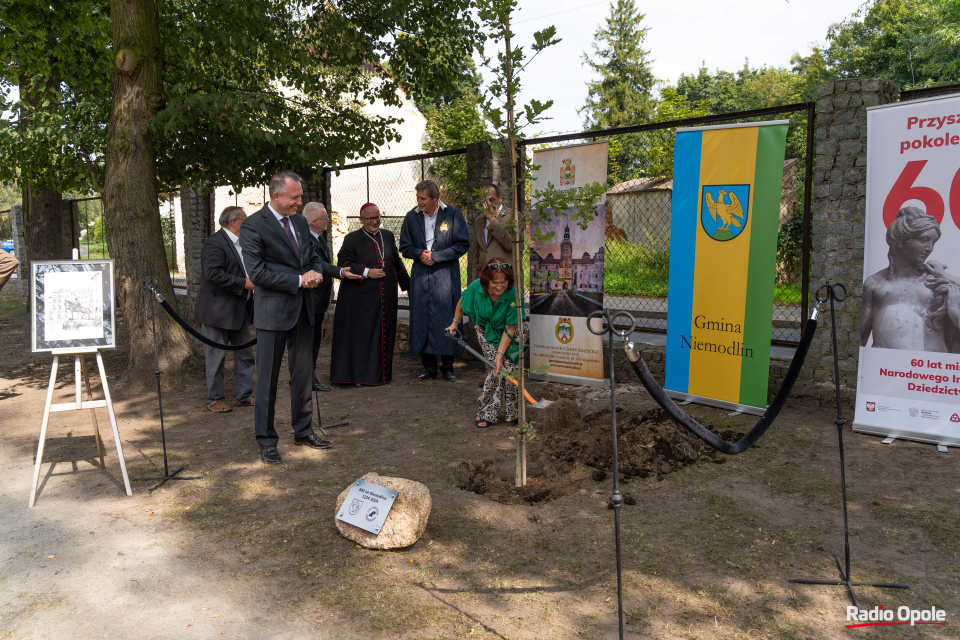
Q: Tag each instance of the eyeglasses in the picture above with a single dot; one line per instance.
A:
(370, 218)
(499, 266)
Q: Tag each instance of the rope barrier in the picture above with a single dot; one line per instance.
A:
(151, 285)
(679, 415)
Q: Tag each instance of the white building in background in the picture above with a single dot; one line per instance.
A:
(391, 186)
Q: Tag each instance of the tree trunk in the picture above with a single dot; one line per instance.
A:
(43, 233)
(41, 207)
(131, 210)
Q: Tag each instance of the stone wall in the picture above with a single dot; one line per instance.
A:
(20, 285)
(488, 162)
(199, 220)
(839, 204)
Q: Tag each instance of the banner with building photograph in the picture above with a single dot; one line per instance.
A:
(909, 376)
(566, 271)
(727, 183)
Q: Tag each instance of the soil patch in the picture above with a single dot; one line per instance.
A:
(570, 448)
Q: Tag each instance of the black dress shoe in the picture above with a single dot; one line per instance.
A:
(427, 375)
(448, 376)
(312, 441)
(269, 455)
(319, 387)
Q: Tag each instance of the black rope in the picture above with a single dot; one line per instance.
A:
(715, 441)
(152, 286)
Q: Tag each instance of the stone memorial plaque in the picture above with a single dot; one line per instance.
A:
(367, 506)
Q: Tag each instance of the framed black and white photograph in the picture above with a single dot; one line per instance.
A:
(74, 307)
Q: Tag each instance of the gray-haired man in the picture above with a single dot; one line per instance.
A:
(225, 310)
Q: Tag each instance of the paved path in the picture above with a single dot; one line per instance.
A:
(90, 562)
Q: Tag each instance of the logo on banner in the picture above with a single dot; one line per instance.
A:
(954, 418)
(564, 330)
(568, 172)
(914, 412)
(724, 212)
(871, 406)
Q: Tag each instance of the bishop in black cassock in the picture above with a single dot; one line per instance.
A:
(365, 321)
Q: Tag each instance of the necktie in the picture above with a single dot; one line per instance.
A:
(293, 240)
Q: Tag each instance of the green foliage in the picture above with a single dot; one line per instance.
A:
(790, 249)
(635, 269)
(9, 195)
(914, 43)
(98, 234)
(248, 87)
(55, 91)
(464, 81)
(726, 92)
(623, 94)
(659, 159)
(453, 125)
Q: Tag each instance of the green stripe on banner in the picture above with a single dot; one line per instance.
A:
(765, 218)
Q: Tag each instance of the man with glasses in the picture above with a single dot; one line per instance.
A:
(365, 322)
(434, 235)
(492, 239)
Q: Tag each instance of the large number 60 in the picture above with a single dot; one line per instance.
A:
(904, 189)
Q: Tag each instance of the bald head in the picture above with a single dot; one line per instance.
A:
(316, 215)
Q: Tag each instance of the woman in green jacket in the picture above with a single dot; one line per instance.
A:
(490, 301)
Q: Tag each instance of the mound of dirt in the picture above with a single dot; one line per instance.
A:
(569, 448)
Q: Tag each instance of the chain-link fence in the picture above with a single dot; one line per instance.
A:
(89, 235)
(88, 224)
(390, 184)
(638, 206)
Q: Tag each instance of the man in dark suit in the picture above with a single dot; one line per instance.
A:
(225, 311)
(317, 220)
(284, 267)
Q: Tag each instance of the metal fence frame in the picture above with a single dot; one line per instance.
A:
(809, 108)
(391, 221)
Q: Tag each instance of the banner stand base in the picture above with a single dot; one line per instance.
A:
(683, 399)
(850, 584)
(151, 285)
(565, 379)
(830, 292)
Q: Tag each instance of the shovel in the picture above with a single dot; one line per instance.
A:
(539, 404)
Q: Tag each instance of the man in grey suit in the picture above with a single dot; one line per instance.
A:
(225, 311)
(492, 238)
(317, 220)
(284, 266)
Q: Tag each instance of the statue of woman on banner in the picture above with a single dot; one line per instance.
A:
(912, 304)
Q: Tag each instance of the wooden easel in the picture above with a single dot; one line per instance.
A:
(79, 365)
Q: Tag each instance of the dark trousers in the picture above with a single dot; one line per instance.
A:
(242, 362)
(317, 337)
(270, 347)
(429, 361)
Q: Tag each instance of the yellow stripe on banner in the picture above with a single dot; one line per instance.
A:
(728, 157)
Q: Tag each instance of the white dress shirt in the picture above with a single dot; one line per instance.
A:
(486, 226)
